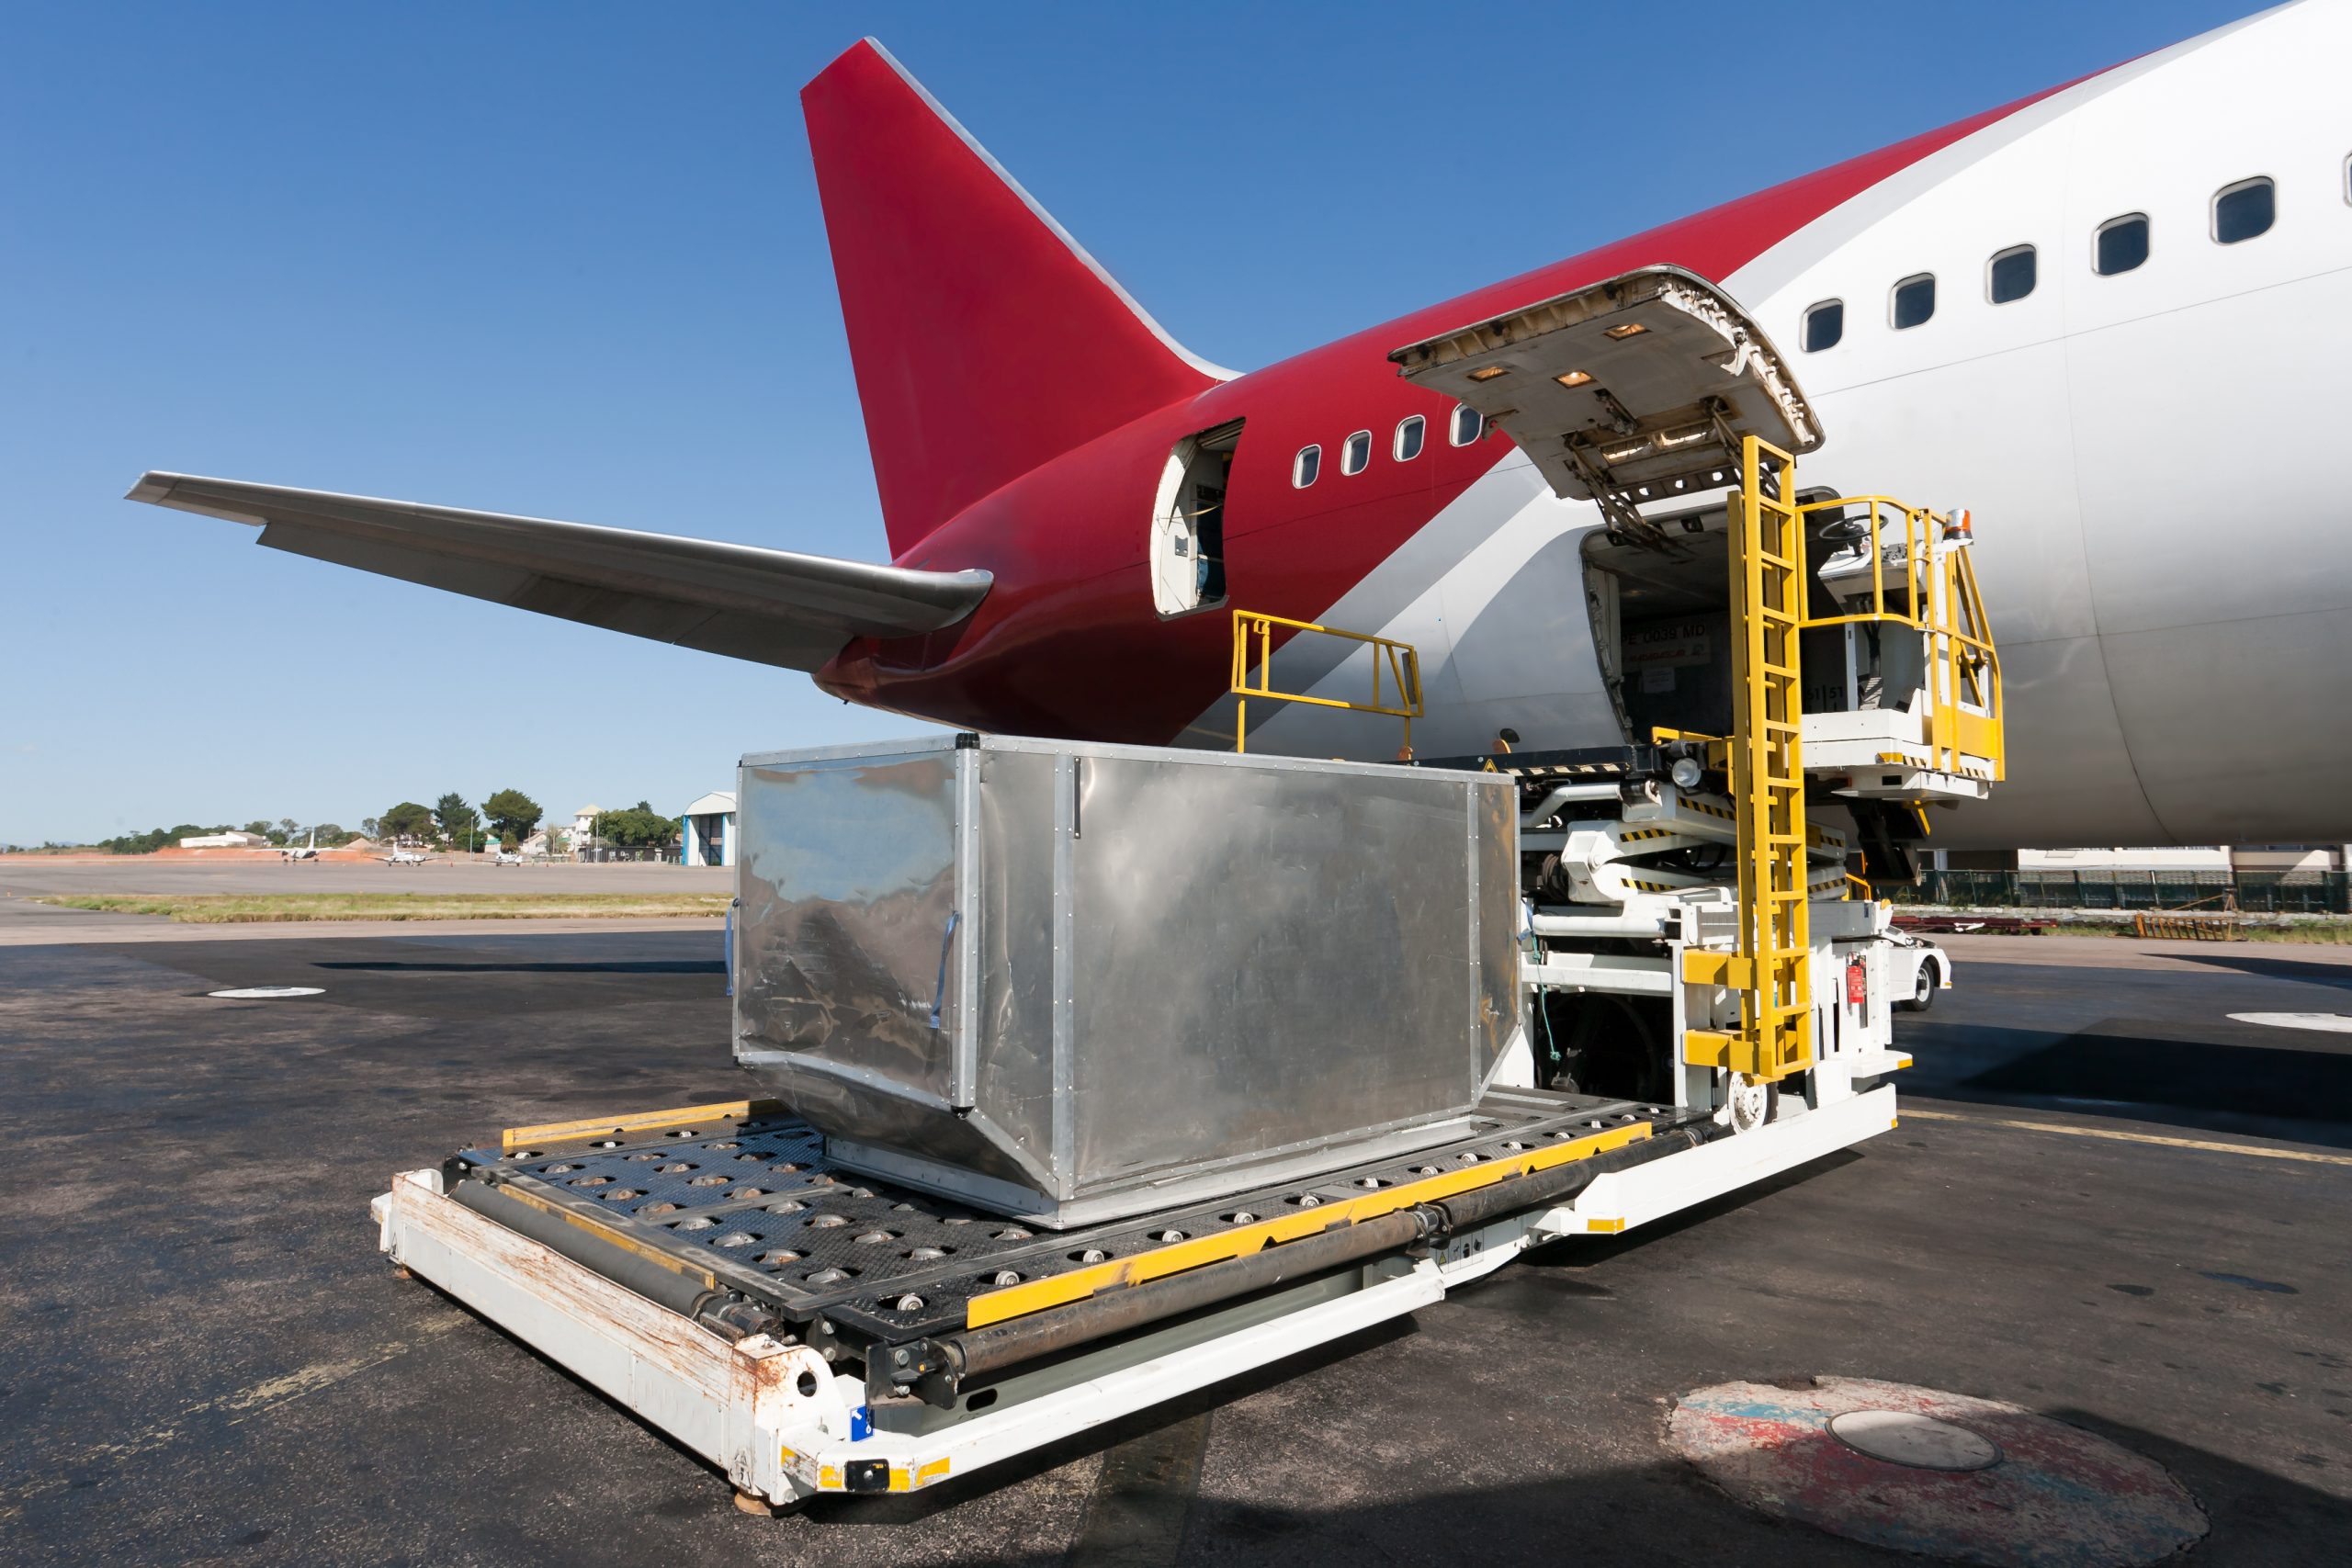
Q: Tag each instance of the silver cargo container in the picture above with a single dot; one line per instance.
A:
(1069, 982)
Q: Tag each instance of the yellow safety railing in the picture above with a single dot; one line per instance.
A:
(1936, 595)
(1396, 673)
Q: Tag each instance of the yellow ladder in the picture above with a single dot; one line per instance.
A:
(1771, 967)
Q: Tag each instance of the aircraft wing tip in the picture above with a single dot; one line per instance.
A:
(157, 488)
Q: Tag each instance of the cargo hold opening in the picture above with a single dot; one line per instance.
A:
(1661, 623)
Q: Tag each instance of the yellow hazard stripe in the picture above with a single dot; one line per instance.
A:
(641, 1121)
(621, 1239)
(1058, 1290)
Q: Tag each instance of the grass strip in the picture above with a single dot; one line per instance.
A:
(234, 908)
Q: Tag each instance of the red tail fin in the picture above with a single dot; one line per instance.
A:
(985, 340)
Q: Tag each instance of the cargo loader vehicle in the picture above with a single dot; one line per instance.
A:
(1093, 1075)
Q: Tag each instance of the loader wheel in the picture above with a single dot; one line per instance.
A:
(1923, 989)
(1751, 1103)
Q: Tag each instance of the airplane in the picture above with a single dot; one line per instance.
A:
(403, 857)
(2108, 318)
(506, 857)
(307, 851)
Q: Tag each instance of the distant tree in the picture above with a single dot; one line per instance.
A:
(332, 836)
(457, 819)
(639, 827)
(258, 827)
(512, 815)
(155, 839)
(368, 827)
(406, 820)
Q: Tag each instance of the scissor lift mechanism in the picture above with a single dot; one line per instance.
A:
(810, 1330)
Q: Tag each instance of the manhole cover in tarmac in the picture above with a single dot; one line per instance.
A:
(2335, 1023)
(267, 993)
(1908, 1437)
(1941, 1474)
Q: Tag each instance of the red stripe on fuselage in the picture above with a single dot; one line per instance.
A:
(1068, 643)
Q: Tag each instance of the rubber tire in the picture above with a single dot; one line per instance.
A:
(1922, 990)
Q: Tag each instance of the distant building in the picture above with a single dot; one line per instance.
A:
(2177, 857)
(583, 828)
(225, 842)
(2168, 860)
(710, 830)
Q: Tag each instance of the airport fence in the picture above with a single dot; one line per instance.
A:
(616, 854)
(2251, 893)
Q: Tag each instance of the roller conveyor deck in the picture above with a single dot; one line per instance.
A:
(744, 1198)
(798, 1387)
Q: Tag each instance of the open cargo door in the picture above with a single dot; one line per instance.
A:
(1631, 391)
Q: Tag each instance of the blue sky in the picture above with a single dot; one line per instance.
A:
(568, 261)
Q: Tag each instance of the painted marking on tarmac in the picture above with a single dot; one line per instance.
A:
(2035, 1493)
(2109, 1133)
(2333, 1022)
(238, 1407)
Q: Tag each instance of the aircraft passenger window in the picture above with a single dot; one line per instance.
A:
(1468, 425)
(1915, 301)
(1357, 453)
(2011, 274)
(1409, 433)
(1305, 467)
(1824, 324)
(2123, 244)
(2244, 209)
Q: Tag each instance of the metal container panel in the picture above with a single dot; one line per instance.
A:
(1497, 1015)
(1062, 981)
(1013, 1029)
(1265, 958)
(846, 881)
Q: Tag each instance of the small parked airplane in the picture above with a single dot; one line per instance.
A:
(402, 857)
(309, 851)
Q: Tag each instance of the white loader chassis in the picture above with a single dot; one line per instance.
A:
(779, 1420)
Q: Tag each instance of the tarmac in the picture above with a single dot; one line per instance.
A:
(2108, 1202)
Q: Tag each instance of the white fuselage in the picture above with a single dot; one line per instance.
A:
(2151, 459)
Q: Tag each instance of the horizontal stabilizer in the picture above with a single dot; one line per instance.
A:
(772, 606)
